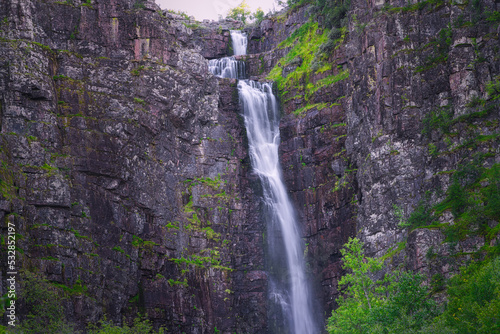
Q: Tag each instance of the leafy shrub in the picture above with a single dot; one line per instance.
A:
(474, 299)
(258, 16)
(334, 12)
(493, 89)
(44, 303)
(398, 303)
(141, 326)
(401, 303)
(439, 119)
(422, 215)
(240, 12)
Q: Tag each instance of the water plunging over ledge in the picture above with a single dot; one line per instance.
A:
(240, 41)
(227, 67)
(288, 284)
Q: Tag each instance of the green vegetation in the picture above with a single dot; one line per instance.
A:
(334, 12)
(78, 288)
(258, 16)
(44, 306)
(7, 187)
(180, 13)
(304, 44)
(213, 260)
(474, 299)
(399, 302)
(396, 303)
(309, 47)
(44, 303)
(240, 12)
(118, 249)
(87, 3)
(191, 25)
(173, 282)
(441, 47)
(139, 4)
(141, 325)
(439, 119)
(302, 110)
(138, 100)
(472, 203)
(430, 5)
(137, 71)
(141, 244)
(474, 200)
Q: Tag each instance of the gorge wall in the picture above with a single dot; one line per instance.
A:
(125, 166)
(125, 170)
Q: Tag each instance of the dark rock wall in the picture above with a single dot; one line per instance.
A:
(214, 38)
(348, 163)
(124, 163)
(396, 81)
(124, 167)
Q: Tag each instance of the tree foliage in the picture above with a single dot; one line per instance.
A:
(258, 16)
(334, 12)
(395, 302)
(44, 303)
(400, 302)
(474, 299)
(240, 12)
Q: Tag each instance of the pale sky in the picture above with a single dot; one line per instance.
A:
(211, 9)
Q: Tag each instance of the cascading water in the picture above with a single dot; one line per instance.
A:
(288, 284)
(229, 67)
(240, 41)
(262, 124)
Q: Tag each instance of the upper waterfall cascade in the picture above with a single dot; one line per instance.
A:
(227, 67)
(240, 42)
(230, 67)
(261, 115)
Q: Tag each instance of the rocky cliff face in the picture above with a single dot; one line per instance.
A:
(125, 166)
(417, 110)
(404, 104)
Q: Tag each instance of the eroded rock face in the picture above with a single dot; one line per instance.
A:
(125, 167)
(395, 83)
(351, 167)
(214, 38)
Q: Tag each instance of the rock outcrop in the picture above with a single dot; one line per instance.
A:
(125, 167)
(125, 170)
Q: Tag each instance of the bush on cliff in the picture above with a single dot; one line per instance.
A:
(400, 302)
(372, 303)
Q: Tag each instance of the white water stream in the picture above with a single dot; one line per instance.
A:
(261, 114)
(227, 67)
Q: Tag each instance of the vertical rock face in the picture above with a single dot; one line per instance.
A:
(124, 168)
(214, 38)
(360, 155)
(407, 66)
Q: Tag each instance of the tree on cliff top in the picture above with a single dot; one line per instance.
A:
(240, 13)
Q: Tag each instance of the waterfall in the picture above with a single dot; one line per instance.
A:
(227, 67)
(288, 284)
(240, 41)
(261, 116)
